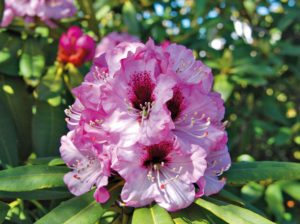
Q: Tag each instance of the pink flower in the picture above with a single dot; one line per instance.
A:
(147, 112)
(217, 163)
(44, 9)
(75, 47)
(90, 161)
(113, 39)
(162, 172)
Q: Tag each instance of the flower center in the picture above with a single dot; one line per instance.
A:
(174, 104)
(157, 154)
(142, 89)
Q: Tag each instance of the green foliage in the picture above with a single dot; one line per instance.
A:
(153, 214)
(256, 71)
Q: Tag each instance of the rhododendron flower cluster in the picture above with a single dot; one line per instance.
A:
(75, 47)
(146, 114)
(113, 39)
(44, 9)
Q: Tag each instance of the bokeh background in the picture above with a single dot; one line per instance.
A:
(253, 47)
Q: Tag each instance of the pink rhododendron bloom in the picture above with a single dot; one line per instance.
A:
(90, 161)
(113, 39)
(75, 47)
(44, 9)
(162, 172)
(147, 112)
(217, 163)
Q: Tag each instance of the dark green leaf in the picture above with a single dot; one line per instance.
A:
(32, 61)
(48, 127)
(18, 101)
(153, 214)
(243, 172)
(83, 209)
(27, 178)
(8, 138)
(3, 211)
(43, 194)
(231, 213)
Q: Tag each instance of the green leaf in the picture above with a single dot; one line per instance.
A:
(191, 215)
(231, 213)
(19, 102)
(8, 138)
(3, 209)
(243, 172)
(274, 199)
(43, 194)
(151, 214)
(27, 178)
(51, 84)
(129, 18)
(230, 197)
(9, 59)
(83, 209)
(252, 192)
(48, 127)
(32, 61)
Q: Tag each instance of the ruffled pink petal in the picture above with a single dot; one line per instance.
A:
(176, 195)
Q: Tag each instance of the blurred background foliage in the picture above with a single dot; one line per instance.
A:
(253, 47)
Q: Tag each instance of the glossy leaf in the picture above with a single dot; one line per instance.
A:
(243, 172)
(32, 61)
(82, 209)
(191, 215)
(3, 211)
(8, 138)
(153, 214)
(48, 126)
(43, 194)
(231, 213)
(27, 178)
